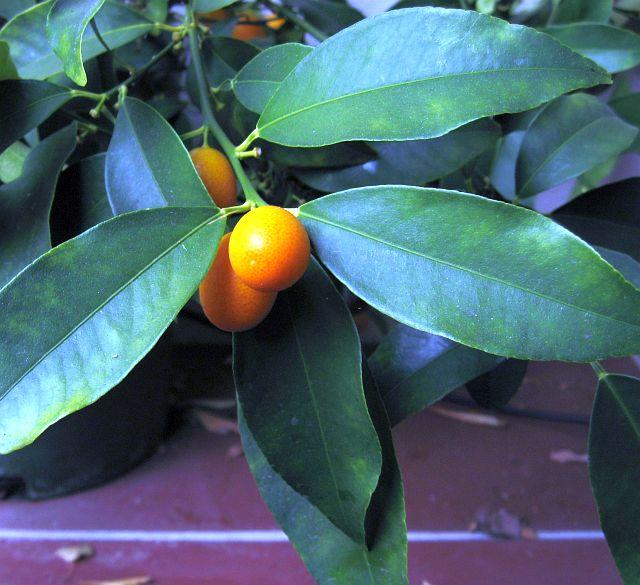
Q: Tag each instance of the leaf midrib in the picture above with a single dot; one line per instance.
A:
(316, 411)
(408, 82)
(623, 407)
(470, 271)
(31, 105)
(564, 143)
(35, 64)
(108, 299)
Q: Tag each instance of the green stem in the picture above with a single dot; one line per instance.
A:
(157, 57)
(297, 20)
(194, 133)
(598, 368)
(251, 195)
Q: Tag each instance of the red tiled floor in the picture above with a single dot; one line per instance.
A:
(450, 469)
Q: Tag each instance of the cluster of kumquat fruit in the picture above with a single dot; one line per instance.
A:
(251, 24)
(267, 251)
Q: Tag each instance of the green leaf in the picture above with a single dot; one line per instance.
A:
(7, 68)
(11, 8)
(496, 388)
(12, 161)
(608, 217)
(223, 57)
(210, 5)
(614, 49)
(331, 557)
(614, 469)
(33, 55)
(105, 297)
(332, 97)
(25, 204)
(629, 267)
(330, 16)
(157, 10)
(567, 11)
(148, 165)
(81, 199)
(452, 264)
(24, 104)
(628, 108)
(569, 136)
(259, 79)
(409, 163)
(415, 369)
(66, 23)
(299, 381)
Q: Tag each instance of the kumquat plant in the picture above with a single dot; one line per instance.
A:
(283, 165)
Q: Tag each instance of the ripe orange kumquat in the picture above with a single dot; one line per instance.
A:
(217, 174)
(228, 302)
(269, 249)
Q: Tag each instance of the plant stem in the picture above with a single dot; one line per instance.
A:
(251, 195)
(157, 57)
(298, 20)
(598, 368)
(193, 134)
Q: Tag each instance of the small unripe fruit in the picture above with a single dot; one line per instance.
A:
(228, 302)
(269, 249)
(217, 174)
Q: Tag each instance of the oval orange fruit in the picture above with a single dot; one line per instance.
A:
(228, 302)
(216, 173)
(269, 249)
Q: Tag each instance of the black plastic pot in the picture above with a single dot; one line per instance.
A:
(100, 442)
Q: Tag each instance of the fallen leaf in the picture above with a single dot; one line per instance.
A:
(76, 553)
(469, 416)
(568, 456)
(128, 581)
(216, 424)
(501, 523)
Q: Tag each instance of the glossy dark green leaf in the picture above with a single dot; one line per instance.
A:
(223, 57)
(259, 79)
(454, 264)
(614, 468)
(567, 11)
(24, 104)
(299, 381)
(569, 136)
(331, 557)
(418, 3)
(25, 204)
(12, 161)
(420, 87)
(34, 56)
(496, 388)
(608, 216)
(11, 8)
(626, 264)
(210, 5)
(157, 10)
(81, 199)
(66, 23)
(415, 369)
(330, 16)
(105, 297)
(7, 68)
(414, 162)
(614, 49)
(628, 108)
(148, 165)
